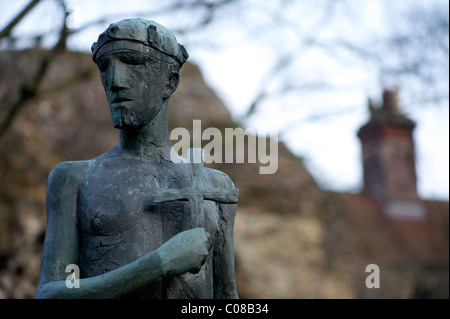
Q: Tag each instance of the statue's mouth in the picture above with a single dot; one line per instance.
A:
(120, 99)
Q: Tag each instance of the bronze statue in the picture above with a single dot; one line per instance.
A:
(136, 223)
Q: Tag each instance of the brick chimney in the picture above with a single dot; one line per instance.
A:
(388, 159)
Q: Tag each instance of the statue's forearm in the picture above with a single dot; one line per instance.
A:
(114, 284)
(224, 268)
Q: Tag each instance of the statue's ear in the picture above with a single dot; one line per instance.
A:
(172, 84)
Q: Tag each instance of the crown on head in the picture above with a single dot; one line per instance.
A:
(143, 31)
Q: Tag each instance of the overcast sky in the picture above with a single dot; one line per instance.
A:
(317, 124)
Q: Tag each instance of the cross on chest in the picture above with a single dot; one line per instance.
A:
(197, 193)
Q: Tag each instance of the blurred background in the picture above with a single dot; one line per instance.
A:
(316, 72)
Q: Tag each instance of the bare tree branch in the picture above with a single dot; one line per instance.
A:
(176, 6)
(285, 61)
(7, 30)
(408, 53)
(30, 87)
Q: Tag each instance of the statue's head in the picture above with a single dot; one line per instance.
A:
(139, 62)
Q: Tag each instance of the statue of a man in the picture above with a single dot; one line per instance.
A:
(122, 218)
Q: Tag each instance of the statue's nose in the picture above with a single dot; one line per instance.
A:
(118, 76)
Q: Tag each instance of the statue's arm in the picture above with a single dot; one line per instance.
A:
(61, 248)
(224, 268)
(114, 284)
(61, 238)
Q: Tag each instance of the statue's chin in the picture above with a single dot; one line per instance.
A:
(124, 121)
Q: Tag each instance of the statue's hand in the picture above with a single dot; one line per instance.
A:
(186, 251)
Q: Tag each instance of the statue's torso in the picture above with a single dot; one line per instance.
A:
(119, 222)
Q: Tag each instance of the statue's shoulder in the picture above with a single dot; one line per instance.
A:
(70, 173)
(218, 178)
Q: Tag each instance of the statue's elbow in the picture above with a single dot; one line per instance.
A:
(46, 291)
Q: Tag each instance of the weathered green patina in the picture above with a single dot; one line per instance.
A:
(136, 223)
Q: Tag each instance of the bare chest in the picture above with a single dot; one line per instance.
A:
(123, 214)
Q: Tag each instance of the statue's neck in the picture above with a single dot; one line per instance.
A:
(151, 141)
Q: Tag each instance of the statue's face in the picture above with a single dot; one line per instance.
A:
(136, 86)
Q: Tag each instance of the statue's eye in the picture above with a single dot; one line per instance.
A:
(102, 64)
(133, 58)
